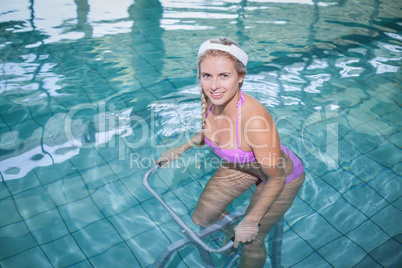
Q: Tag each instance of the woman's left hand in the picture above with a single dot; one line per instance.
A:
(245, 231)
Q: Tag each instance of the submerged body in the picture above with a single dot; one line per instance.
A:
(242, 132)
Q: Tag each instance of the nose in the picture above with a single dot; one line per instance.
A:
(215, 83)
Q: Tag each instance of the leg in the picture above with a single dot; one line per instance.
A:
(224, 186)
(254, 253)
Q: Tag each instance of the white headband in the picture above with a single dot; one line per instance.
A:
(232, 49)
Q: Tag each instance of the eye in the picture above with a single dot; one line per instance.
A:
(224, 75)
(205, 76)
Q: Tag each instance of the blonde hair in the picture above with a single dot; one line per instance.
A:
(240, 68)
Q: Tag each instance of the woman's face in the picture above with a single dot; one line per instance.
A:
(219, 79)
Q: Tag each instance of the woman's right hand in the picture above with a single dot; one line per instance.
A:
(169, 156)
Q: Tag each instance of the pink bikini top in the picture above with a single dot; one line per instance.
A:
(237, 156)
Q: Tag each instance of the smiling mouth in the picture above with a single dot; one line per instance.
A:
(216, 94)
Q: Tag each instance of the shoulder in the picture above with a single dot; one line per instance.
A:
(255, 115)
(259, 130)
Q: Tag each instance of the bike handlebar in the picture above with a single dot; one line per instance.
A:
(188, 231)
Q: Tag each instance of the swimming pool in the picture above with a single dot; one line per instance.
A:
(93, 91)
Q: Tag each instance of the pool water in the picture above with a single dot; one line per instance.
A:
(93, 91)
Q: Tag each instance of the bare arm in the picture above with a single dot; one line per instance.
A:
(172, 154)
(264, 140)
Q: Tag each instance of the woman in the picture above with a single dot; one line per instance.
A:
(244, 135)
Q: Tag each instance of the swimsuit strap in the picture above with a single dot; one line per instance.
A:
(239, 104)
(210, 108)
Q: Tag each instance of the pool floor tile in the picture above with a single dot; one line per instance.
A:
(89, 158)
(384, 127)
(363, 167)
(33, 202)
(381, 154)
(113, 198)
(17, 238)
(73, 189)
(177, 206)
(381, 104)
(396, 139)
(389, 219)
(387, 184)
(316, 230)
(49, 174)
(28, 258)
(398, 203)
(291, 253)
(146, 249)
(380, 82)
(322, 196)
(389, 254)
(343, 216)
(365, 198)
(47, 226)
(132, 222)
(64, 251)
(172, 231)
(313, 260)
(368, 235)
(362, 112)
(298, 211)
(397, 168)
(364, 138)
(349, 121)
(136, 188)
(7, 207)
(191, 191)
(314, 163)
(112, 257)
(347, 254)
(98, 177)
(368, 261)
(96, 232)
(395, 95)
(341, 180)
(80, 214)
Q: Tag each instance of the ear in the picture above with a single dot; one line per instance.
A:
(241, 78)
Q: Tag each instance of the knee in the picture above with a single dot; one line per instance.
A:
(253, 254)
(254, 250)
(199, 219)
(204, 217)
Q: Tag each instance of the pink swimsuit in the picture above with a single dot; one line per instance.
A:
(238, 156)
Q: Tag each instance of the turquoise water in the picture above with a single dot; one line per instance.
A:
(93, 91)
